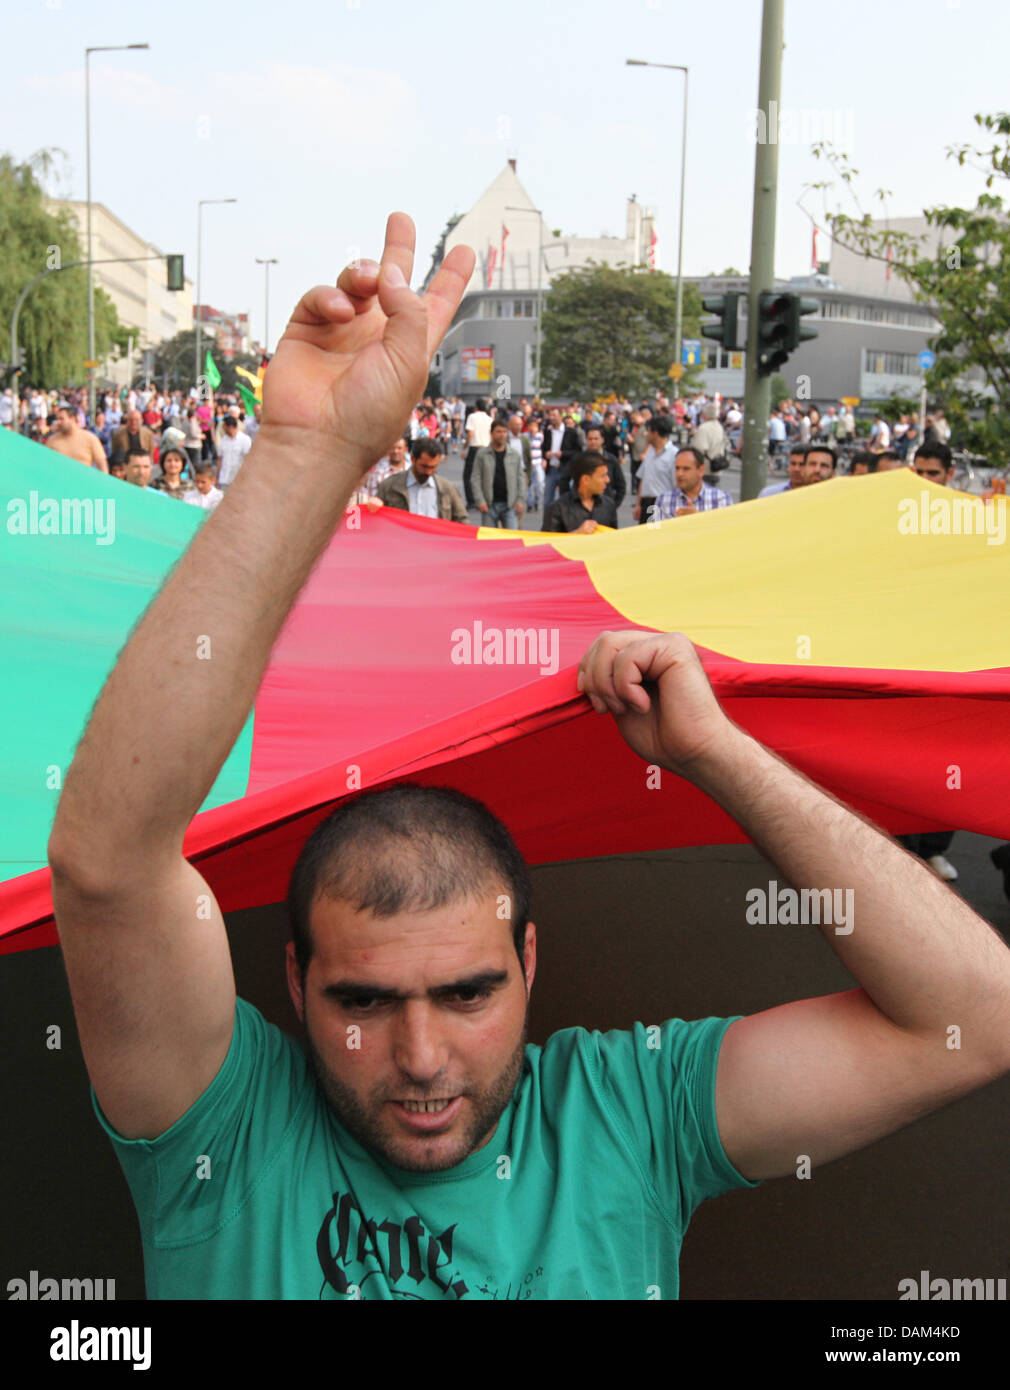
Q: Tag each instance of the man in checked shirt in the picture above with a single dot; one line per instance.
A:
(691, 493)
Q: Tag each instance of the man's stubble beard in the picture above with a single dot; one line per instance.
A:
(359, 1119)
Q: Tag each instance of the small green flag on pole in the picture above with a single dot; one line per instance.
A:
(248, 399)
(211, 373)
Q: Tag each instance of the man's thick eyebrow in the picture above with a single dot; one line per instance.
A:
(354, 989)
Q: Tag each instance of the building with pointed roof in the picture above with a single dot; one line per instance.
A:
(491, 348)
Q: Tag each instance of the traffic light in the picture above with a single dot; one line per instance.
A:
(730, 327)
(799, 331)
(176, 276)
(780, 330)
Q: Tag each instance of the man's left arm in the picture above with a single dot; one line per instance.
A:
(822, 1076)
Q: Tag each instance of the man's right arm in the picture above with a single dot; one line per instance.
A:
(143, 940)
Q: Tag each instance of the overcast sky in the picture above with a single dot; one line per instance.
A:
(320, 118)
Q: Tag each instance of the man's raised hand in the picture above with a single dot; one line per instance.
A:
(355, 358)
(673, 722)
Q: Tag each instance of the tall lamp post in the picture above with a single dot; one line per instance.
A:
(104, 48)
(267, 263)
(540, 297)
(675, 67)
(204, 202)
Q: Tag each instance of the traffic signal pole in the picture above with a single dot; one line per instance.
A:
(757, 398)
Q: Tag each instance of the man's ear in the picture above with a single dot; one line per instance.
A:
(530, 956)
(295, 982)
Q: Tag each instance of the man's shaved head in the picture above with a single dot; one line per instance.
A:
(403, 849)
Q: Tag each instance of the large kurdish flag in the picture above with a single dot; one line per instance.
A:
(833, 624)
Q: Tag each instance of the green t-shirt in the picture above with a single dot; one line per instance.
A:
(585, 1189)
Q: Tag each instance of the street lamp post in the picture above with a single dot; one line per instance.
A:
(199, 248)
(540, 298)
(266, 263)
(675, 67)
(104, 48)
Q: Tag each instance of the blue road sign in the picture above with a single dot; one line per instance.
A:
(690, 352)
(927, 359)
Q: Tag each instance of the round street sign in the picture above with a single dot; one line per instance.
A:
(927, 359)
(676, 371)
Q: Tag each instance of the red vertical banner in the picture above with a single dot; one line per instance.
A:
(652, 249)
(492, 256)
(504, 236)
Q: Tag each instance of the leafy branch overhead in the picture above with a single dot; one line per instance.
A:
(613, 328)
(962, 271)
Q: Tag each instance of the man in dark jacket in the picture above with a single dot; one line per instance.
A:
(595, 444)
(561, 443)
(587, 506)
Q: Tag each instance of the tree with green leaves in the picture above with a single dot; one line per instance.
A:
(965, 280)
(780, 390)
(173, 361)
(53, 324)
(613, 328)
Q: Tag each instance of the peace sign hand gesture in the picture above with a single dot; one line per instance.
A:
(355, 358)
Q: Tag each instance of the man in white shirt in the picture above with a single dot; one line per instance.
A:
(880, 435)
(478, 436)
(234, 447)
(655, 476)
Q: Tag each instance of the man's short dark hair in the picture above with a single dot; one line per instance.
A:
(940, 452)
(583, 465)
(660, 425)
(431, 447)
(689, 449)
(824, 449)
(407, 848)
(798, 451)
(871, 460)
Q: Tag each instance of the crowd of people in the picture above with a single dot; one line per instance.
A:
(575, 465)
(180, 446)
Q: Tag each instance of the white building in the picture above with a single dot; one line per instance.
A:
(491, 345)
(137, 287)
